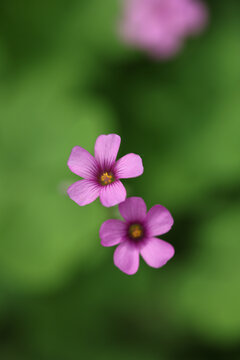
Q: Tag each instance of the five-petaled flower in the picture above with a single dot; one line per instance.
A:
(160, 26)
(101, 174)
(137, 235)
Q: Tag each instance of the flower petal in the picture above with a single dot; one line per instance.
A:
(112, 194)
(82, 163)
(83, 192)
(126, 258)
(112, 232)
(133, 209)
(157, 252)
(129, 166)
(106, 149)
(159, 220)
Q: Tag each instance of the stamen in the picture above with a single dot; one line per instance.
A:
(135, 231)
(106, 178)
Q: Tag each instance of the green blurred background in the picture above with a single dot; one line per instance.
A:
(65, 78)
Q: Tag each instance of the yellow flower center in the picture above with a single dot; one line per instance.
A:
(135, 231)
(106, 178)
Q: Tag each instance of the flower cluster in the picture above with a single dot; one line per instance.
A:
(136, 234)
(160, 26)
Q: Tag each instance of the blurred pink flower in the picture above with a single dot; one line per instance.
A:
(160, 26)
(102, 173)
(136, 235)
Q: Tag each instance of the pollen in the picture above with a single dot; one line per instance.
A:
(135, 231)
(106, 178)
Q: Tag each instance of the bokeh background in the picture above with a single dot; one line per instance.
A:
(65, 78)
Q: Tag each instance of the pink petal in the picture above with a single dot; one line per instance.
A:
(129, 166)
(126, 258)
(159, 220)
(112, 232)
(160, 26)
(112, 194)
(82, 163)
(133, 209)
(157, 252)
(106, 149)
(83, 192)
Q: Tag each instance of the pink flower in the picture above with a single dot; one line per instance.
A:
(136, 235)
(160, 26)
(101, 174)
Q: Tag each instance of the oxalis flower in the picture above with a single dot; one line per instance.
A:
(102, 173)
(136, 235)
(160, 26)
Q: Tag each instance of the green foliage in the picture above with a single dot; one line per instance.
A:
(66, 78)
(45, 234)
(208, 286)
